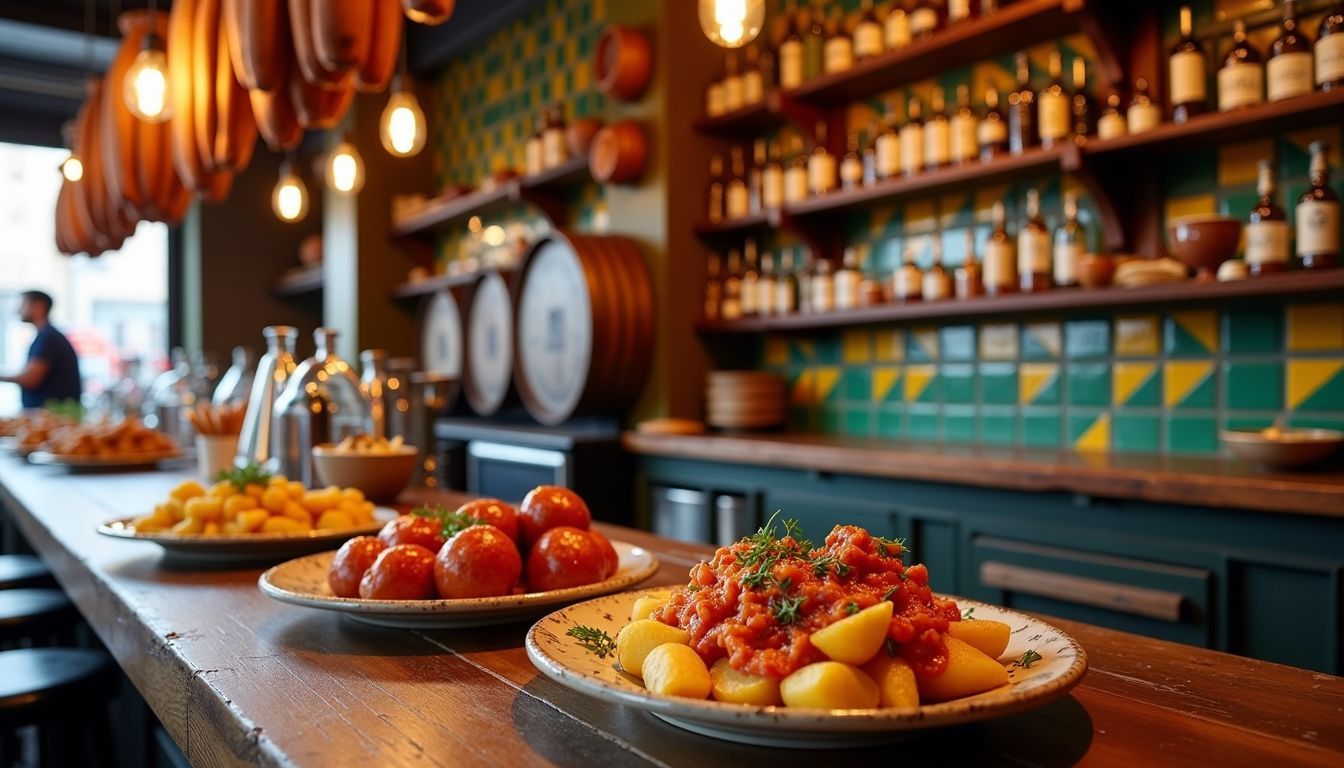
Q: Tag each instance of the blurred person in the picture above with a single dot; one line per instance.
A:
(52, 371)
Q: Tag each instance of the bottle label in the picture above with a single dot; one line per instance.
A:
(964, 143)
(785, 300)
(732, 93)
(1022, 126)
(738, 202)
(1000, 263)
(1290, 75)
(912, 148)
(992, 133)
(823, 294)
(1317, 228)
(1033, 253)
(772, 187)
(888, 155)
(532, 156)
(1330, 58)
(749, 288)
(765, 296)
(791, 64)
(923, 20)
(821, 174)
(1054, 116)
(867, 39)
(851, 172)
(1144, 117)
(795, 185)
(1240, 85)
(846, 289)
(897, 30)
(936, 286)
(1186, 78)
(908, 281)
(1266, 242)
(554, 149)
(1067, 256)
(839, 54)
(1111, 126)
(937, 143)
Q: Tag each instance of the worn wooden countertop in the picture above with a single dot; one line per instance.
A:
(239, 679)
(1171, 479)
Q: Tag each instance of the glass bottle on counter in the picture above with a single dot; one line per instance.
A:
(737, 202)
(1241, 80)
(766, 286)
(554, 143)
(964, 143)
(907, 282)
(753, 78)
(756, 178)
(713, 287)
(924, 20)
(1022, 133)
(869, 158)
(821, 171)
(1035, 267)
(1083, 107)
(839, 51)
(847, 279)
(714, 195)
(791, 55)
(851, 166)
(1318, 215)
(731, 306)
(1186, 84)
(867, 32)
(992, 132)
(534, 158)
(1111, 124)
(1267, 232)
(912, 139)
(1054, 106)
(1000, 267)
(750, 279)
(1070, 241)
(937, 284)
(888, 144)
(786, 286)
(1288, 71)
(772, 179)
(967, 277)
(822, 287)
(937, 134)
(795, 176)
(1143, 114)
(896, 27)
(814, 42)
(1330, 50)
(732, 83)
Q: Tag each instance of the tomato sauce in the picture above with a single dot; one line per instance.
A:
(757, 601)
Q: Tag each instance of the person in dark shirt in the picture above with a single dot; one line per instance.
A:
(52, 372)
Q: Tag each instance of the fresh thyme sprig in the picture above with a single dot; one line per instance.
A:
(786, 608)
(852, 608)
(966, 614)
(886, 546)
(1028, 658)
(453, 522)
(252, 474)
(598, 642)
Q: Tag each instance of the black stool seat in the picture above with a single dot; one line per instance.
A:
(24, 571)
(38, 683)
(27, 612)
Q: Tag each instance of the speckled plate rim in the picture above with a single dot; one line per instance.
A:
(1063, 665)
(101, 462)
(124, 528)
(636, 565)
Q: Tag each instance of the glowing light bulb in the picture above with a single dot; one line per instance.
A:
(732, 23)
(402, 128)
(145, 87)
(345, 169)
(72, 168)
(289, 200)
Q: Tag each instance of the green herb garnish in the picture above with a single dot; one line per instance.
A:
(886, 547)
(453, 522)
(598, 642)
(890, 591)
(890, 646)
(765, 550)
(252, 474)
(823, 564)
(786, 608)
(852, 608)
(966, 614)
(1027, 659)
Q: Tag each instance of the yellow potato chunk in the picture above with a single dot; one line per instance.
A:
(295, 511)
(362, 514)
(295, 489)
(637, 638)
(987, 637)
(737, 687)
(176, 511)
(283, 525)
(855, 639)
(204, 507)
(675, 669)
(352, 494)
(222, 489)
(254, 490)
(896, 685)
(829, 685)
(275, 499)
(187, 490)
(251, 520)
(645, 606)
(235, 504)
(147, 524)
(321, 501)
(190, 525)
(334, 519)
(968, 672)
(211, 528)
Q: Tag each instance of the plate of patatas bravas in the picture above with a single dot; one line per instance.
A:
(774, 641)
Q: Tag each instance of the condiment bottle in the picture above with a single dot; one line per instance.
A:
(534, 158)
(1186, 79)
(1054, 105)
(791, 55)
(737, 201)
(867, 32)
(851, 167)
(750, 277)
(839, 52)
(713, 286)
(1022, 132)
(965, 144)
(912, 140)
(1288, 71)
(1083, 107)
(786, 286)
(888, 144)
(731, 307)
(992, 132)
(814, 43)
(756, 178)
(714, 195)
(795, 176)
(753, 78)
(732, 84)
(766, 287)
(554, 144)
(1241, 80)
(823, 287)
(1111, 124)
(937, 134)
(896, 28)
(772, 179)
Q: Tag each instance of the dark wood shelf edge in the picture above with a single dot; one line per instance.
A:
(299, 282)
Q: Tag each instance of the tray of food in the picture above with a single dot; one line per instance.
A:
(122, 445)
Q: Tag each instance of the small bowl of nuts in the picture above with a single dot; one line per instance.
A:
(379, 467)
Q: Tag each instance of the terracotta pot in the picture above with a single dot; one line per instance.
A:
(623, 62)
(620, 153)
(580, 135)
(1096, 270)
(1204, 242)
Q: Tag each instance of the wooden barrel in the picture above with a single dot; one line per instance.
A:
(583, 330)
(441, 342)
(487, 363)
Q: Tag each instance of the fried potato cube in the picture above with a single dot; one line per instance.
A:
(645, 606)
(334, 519)
(352, 494)
(362, 514)
(321, 501)
(254, 490)
(637, 638)
(187, 490)
(296, 511)
(295, 489)
(235, 504)
(163, 516)
(223, 489)
(277, 480)
(675, 669)
(176, 510)
(251, 520)
(148, 524)
(280, 524)
(737, 687)
(829, 685)
(275, 498)
(968, 672)
(895, 678)
(204, 507)
(987, 637)
(855, 639)
(190, 525)
(211, 528)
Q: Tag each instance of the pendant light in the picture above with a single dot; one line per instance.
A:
(345, 168)
(402, 127)
(145, 86)
(732, 23)
(72, 168)
(289, 199)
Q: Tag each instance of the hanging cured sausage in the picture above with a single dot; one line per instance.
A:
(301, 30)
(376, 71)
(187, 84)
(258, 40)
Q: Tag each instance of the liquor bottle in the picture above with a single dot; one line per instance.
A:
(714, 105)
(869, 158)
(967, 276)
(714, 197)
(804, 272)
(1186, 80)
(965, 145)
(1142, 115)
(1054, 105)
(851, 166)
(1330, 49)
(753, 78)
(1083, 108)
(847, 281)
(912, 140)
(791, 55)
(772, 179)
(533, 156)
(889, 144)
(822, 287)
(871, 292)
(765, 287)
(958, 11)
(867, 32)
(795, 176)
(992, 132)
(1241, 80)
(737, 202)
(1111, 124)
(713, 287)
(937, 134)
(937, 284)
(838, 54)
(1035, 267)
(731, 306)
(907, 282)
(923, 20)
(756, 178)
(1288, 71)
(1022, 133)
(896, 27)
(821, 165)
(786, 286)
(1318, 216)
(555, 142)
(1000, 267)
(814, 42)
(750, 277)
(1070, 241)
(732, 83)
(1267, 232)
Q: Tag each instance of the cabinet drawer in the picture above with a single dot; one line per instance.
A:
(1156, 599)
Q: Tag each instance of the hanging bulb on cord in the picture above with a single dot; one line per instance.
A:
(289, 199)
(402, 127)
(345, 168)
(145, 85)
(732, 23)
(72, 168)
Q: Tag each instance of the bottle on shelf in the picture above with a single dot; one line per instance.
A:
(1241, 80)
(737, 202)
(1187, 87)
(753, 78)
(786, 286)
(534, 159)
(851, 166)
(888, 144)
(992, 132)
(999, 271)
(870, 287)
(958, 11)
(1054, 106)
(750, 278)
(847, 279)
(907, 282)
(1111, 124)
(791, 54)
(896, 27)
(732, 83)
(924, 20)
(1083, 108)
(967, 278)
(766, 286)
(867, 32)
(1142, 115)
(1288, 71)
(1318, 215)
(822, 287)
(756, 178)
(989, 7)
(1035, 262)
(937, 283)
(838, 55)
(714, 196)
(821, 170)
(713, 287)
(937, 133)
(814, 42)
(964, 142)
(1267, 230)
(1330, 49)
(804, 280)
(555, 142)
(714, 105)
(795, 176)
(772, 179)
(869, 159)
(1070, 242)
(1022, 133)
(731, 306)
(912, 139)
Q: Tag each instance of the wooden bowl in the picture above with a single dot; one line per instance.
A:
(1282, 448)
(1204, 242)
(1096, 270)
(381, 476)
(623, 62)
(620, 153)
(581, 134)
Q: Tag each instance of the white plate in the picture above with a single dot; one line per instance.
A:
(565, 660)
(126, 461)
(222, 549)
(304, 582)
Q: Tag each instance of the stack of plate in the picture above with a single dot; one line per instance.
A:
(1141, 272)
(744, 400)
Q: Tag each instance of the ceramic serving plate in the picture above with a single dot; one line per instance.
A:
(126, 461)
(565, 660)
(224, 549)
(304, 582)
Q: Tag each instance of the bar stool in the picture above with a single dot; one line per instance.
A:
(63, 693)
(24, 571)
(39, 616)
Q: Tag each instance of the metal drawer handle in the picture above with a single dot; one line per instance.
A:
(1139, 601)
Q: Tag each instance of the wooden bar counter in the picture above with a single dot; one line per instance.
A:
(239, 679)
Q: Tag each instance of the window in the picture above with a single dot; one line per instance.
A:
(114, 308)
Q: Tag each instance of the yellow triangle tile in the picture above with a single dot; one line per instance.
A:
(1033, 379)
(776, 351)
(883, 380)
(1307, 376)
(1237, 162)
(1097, 438)
(1180, 377)
(1202, 324)
(803, 392)
(1189, 206)
(1047, 335)
(827, 376)
(857, 347)
(1137, 336)
(917, 378)
(889, 346)
(927, 339)
(1315, 327)
(1128, 377)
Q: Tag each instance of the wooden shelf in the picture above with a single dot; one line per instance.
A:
(546, 190)
(414, 289)
(746, 122)
(730, 229)
(300, 281)
(1292, 284)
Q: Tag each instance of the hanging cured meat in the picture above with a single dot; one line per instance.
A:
(223, 126)
(376, 71)
(301, 29)
(315, 107)
(431, 12)
(258, 40)
(188, 84)
(342, 32)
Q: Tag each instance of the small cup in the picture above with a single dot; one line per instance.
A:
(214, 454)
